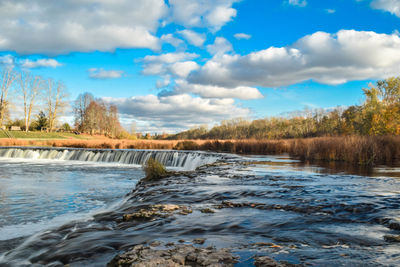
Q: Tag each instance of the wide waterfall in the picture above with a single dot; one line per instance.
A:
(184, 160)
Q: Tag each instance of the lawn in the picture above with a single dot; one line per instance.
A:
(43, 135)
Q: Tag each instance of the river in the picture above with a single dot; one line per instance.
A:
(65, 206)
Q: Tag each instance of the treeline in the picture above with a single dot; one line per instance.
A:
(378, 115)
(34, 93)
(93, 116)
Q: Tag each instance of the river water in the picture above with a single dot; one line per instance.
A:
(57, 210)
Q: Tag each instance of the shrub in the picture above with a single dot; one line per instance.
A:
(154, 170)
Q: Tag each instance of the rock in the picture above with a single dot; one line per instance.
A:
(199, 241)
(392, 238)
(394, 225)
(207, 210)
(180, 255)
(265, 261)
(155, 244)
(159, 210)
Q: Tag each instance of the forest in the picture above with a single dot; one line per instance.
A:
(378, 115)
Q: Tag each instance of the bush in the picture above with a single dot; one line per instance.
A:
(186, 145)
(154, 170)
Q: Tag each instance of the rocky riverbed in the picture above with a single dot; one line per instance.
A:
(234, 213)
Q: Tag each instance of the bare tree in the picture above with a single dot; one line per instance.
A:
(80, 106)
(31, 87)
(56, 101)
(8, 77)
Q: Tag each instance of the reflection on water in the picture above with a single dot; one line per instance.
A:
(311, 214)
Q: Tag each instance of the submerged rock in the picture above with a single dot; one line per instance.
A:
(207, 210)
(180, 255)
(159, 210)
(392, 238)
(264, 261)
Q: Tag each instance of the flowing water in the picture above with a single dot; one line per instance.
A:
(65, 206)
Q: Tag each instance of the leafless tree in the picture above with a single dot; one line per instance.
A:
(56, 101)
(30, 87)
(8, 77)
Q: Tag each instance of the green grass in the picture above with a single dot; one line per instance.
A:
(42, 135)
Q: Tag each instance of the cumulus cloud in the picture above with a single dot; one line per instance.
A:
(57, 27)
(103, 74)
(193, 38)
(7, 60)
(322, 57)
(300, 3)
(41, 63)
(211, 91)
(240, 36)
(170, 39)
(178, 64)
(220, 46)
(392, 6)
(202, 13)
(177, 112)
(182, 69)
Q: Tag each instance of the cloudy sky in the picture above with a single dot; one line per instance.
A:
(173, 64)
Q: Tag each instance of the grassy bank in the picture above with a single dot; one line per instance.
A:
(358, 150)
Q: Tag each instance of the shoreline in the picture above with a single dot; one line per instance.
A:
(357, 150)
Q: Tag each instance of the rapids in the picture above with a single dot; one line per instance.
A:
(300, 213)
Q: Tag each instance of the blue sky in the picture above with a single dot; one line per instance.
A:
(172, 65)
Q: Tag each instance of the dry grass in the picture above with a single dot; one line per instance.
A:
(366, 150)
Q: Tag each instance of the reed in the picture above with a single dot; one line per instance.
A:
(360, 150)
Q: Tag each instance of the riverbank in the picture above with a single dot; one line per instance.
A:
(357, 150)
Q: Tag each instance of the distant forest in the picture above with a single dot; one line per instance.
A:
(378, 115)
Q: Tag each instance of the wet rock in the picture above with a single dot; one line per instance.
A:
(155, 244)
(392, 238)
(180, 255)
(207, 210)
(265, 261)
(395, 225)
(199, 241)
(159, 210)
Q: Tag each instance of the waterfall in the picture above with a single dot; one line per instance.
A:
(184, 160)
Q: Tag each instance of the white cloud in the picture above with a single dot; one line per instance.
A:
(57, 27)
(193, 38)
(300, 3)
(330, 11)
(170, 39)
(41, 63)
(220, 46)
(182, 69)
(202, 13)
(392, 6)
(7, 60)
(163, 83)
(177, 112)
(211, 91)
(240, 36)
(169, 57)
(178, 64)
(102, 74)
(322, 57)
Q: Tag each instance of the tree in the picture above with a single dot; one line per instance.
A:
(41, 121)
(30, 87)
(8, 77)
(56, 101)
(80, 105)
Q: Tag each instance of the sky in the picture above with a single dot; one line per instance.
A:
(176, 64)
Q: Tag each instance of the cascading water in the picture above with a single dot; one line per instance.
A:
(184, 160)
